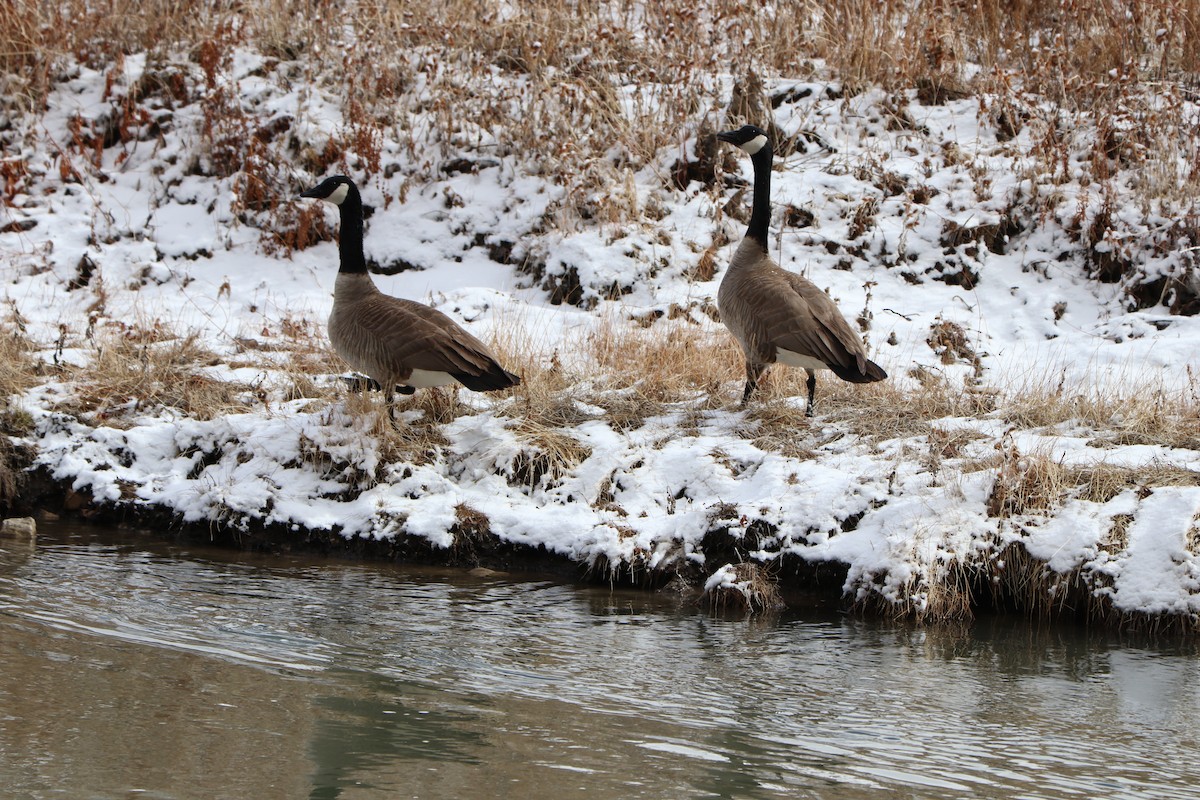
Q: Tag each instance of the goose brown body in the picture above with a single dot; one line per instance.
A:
(393, 340)
(778, 316)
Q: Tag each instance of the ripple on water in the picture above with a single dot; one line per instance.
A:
(405, 680)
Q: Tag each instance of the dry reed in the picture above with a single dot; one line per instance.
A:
(137, 368)
(590, 91)
(752, 590)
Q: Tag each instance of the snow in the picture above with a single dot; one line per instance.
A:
(1157, 572)
(170, 249)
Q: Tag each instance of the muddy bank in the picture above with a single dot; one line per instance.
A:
(802, 584)
(1022, 587)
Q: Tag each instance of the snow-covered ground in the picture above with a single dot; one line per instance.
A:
(909, 222)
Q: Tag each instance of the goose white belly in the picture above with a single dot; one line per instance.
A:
(425, 378)
(793, 359)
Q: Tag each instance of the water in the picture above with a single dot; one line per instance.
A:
(133, 668)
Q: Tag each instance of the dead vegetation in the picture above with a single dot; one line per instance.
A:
(551, 79)
(749, 589)
(592, 93)
(139, 368)
(1036, 483)
(622, 373)
(18, 372)
(18, 366)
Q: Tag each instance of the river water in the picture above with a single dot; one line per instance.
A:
(130, 667)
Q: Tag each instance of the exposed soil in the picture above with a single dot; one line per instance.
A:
(802, 585)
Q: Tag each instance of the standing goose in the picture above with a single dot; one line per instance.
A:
(776, 315)
(393, 340)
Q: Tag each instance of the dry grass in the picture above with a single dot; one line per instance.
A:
(1023, 583)
(146, 367)
(18, 368)
(1029, 483)
(666, 363)
(547, 454)
(891, 43)
(1025, 483)
(18, 372)
(755, 591)
(589, 93)
(625, 372)
(1128, 411)
(415, 436)
(592, 90)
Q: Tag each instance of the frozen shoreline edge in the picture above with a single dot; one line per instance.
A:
(803, 585)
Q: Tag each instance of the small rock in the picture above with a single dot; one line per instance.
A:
(18, 528)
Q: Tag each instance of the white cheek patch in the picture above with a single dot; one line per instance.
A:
(755, 144)
(339, 194)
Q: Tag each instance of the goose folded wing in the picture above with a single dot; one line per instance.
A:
(437, 343)
(803, 319)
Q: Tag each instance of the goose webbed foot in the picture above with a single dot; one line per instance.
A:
(361, 383)
(358, 383)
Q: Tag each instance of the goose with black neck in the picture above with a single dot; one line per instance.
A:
(399, 343)
(777, 316)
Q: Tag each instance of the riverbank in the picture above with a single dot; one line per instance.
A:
(1017, 252)
(963, 519)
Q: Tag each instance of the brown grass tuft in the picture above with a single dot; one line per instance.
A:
(1025, 483)
(18, 372)
(139, 367)
(1020, 582)
(412, 438)
(547, 454)
(18, 368)
(755, 591)
(664, 364)
(1124, 412)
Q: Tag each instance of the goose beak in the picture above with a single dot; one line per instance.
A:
(727, 136)
(311, 193)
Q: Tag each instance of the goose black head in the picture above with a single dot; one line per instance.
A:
(334, 190)
(750, 138)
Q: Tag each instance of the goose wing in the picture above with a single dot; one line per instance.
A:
(799, 317)
(413, 335)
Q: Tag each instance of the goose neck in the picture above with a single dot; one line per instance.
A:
(760, 211)
(352, 286)
(350, 237)
(750, 254)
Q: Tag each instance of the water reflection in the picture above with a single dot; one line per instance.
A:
(365, 734)
(128, 666)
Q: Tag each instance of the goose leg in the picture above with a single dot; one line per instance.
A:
(389, 397)
(753, 373)
(812, 390)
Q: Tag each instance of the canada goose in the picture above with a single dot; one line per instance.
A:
(393, 340)
(776, 315)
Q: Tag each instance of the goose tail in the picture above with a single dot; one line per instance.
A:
(866, 371)
(494, 379)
